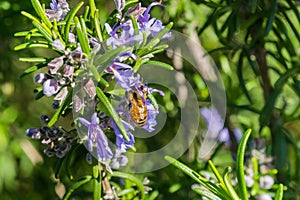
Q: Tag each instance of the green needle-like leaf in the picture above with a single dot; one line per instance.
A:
(217, 174)
(32, 33)
(56, 32)
(240, 165)
(97, 26)
(268, 108)
(33, 44)
(32, 69)
(30, 16)
(69, 19)
(160, 64)
(77, 185)
(135, 25)
(97, 183)
(279, 192)
(93, 7)
(103, 98)
(44, 30)
(132, 178)
(103, 61)
(194, 175)
(41, 12)
(153, 101)
(206, 194)
(154, 41)
(36, 59)
(271, 17)
(86, 13)
(61, 109)
(82, 35)
(229, 186)
(241, 76)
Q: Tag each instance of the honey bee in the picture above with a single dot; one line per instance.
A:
(137, 105)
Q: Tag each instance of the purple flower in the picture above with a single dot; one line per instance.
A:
(57, 44)
(64, 66)
(126, 33)
(122, 144)
(95, 44)
(216, 129)
(249, 180)
(151, 26)
(56, 64)
(266, 182)
(78, 102)
(96, 136)
(125, 78)
(34, 133)
(58, 141)
(61, 96)
(89, 87)
(214, 122)
(151, 90)
(124, 38)
(151, 121)
(146, 16)
(136, 10)
(41, 78)
(224, 137)
(58, 10)
(123, 73)
(118, 160)
(68, 72)
(120, 5)
(263, 197)
(50, 87)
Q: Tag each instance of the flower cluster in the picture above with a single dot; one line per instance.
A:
(58, 141)
(58, 10)
(125, 33)
(64, 70)
(260, 171)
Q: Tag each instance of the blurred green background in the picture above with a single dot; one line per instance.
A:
(25, 173)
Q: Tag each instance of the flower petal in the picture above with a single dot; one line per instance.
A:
(84, 121)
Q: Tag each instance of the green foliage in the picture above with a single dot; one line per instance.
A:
(255, 45)
(223, 189)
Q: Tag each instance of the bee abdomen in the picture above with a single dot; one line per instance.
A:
(141, 121)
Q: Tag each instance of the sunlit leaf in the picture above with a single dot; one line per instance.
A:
(33, 44)
(240, 165)
(41, 12)
(207, 194)
(82, 34)
(279, 193)
(32, 69)
(292, 25)
(76, 185)
(132, 178)
(44, 30)
(227, 182)
(160, 64)
(197, 177)
(69, 20)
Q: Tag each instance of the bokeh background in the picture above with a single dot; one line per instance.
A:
(255, 45)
